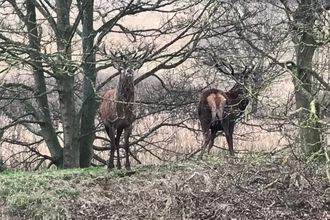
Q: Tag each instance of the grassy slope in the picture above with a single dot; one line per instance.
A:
(249, 188)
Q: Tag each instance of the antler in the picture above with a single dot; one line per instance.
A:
(218, 63)
(228, 66)
(247, 70)
(138, 56)
(147, 49)
(116, 56)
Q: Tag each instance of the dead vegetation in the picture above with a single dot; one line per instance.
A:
(250, 187)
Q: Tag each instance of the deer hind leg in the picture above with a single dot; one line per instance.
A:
(117, 140)
(220, 113)
(207, 140)
(214, 113)
(127, 134)
(212, 137)
(111, 133)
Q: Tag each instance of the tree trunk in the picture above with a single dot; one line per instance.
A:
(65, 83)
(310, 129)
(47, 130)
(89, 105)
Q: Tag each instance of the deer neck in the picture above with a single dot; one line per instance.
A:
(125, 89)
(238, 92)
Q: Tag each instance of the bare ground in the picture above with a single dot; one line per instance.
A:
(261, 187)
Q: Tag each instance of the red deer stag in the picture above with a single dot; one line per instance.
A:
(219, 110)
(117, 110)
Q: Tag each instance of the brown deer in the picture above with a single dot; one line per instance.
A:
(219, 110)
(117, 109)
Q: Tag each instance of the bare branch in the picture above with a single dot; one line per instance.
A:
(47, 15)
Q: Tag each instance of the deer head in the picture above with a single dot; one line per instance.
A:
(249, 78)
(129, 62)
(125, 64)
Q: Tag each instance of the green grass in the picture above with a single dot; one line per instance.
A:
(42, 193)
(48, 192)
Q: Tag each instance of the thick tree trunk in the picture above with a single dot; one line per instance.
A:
(65, 83)
(89, 106)
(47, 130)
(310, 129)
(68, 116)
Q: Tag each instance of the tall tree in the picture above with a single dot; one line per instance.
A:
(89, 104)
(305, 22)
(64, 73)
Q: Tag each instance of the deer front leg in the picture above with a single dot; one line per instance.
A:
(229, 138)
(229, 130)
(117, 140)
(127, 134)
(111, 134)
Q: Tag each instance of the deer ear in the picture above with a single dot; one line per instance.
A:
(139, 64)
(200, 95)
(115, 65)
